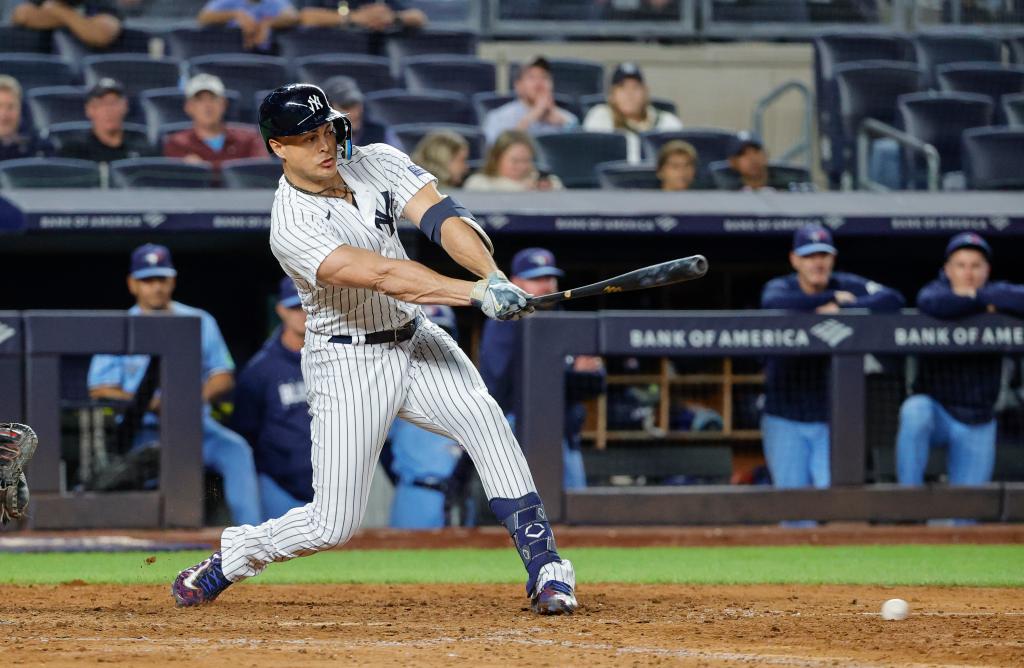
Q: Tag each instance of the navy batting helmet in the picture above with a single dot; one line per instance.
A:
(302, 107)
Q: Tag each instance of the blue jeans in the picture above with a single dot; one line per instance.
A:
(416, 507)
(925, 424)
(797, 452)
(276, 500)
(574, 476)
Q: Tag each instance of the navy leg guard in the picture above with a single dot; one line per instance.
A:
(527, 523)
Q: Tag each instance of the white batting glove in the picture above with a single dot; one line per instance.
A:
(500, 299)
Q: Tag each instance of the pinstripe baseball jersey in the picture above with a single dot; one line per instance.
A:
(305, 229)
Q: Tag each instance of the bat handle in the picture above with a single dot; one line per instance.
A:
(545, 300)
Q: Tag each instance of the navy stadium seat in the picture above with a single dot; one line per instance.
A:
(188, 43)
(940, 119)
(992, 79)
(56, 104)
(167, 105)
(130, 40)
(1013, 109)
(941, 48)
(372, 73)
(410, 135)
(159, 173)
(14, 39)
(588, 102)
(459, 74)
(251, 173)
(302, 42)
(574, 155)
(1016, 47)
(136, 72)
(711, 143)
(430, 42)
(992, 158)
(760, 11)
(245, 73)
(572, 76)
(36, 69)
(395, 107)
(780, 176)
(626, 176)
(58, 133)
(49, 173)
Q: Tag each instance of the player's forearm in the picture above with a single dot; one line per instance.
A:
(412, 282)
(464, 245)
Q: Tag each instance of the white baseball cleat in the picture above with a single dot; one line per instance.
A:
(556, 589)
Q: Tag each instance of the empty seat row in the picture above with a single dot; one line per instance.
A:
(137, 173)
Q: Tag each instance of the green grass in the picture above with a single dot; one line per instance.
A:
(963, 565)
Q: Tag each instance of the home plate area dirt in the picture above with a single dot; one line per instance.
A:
(284, 625)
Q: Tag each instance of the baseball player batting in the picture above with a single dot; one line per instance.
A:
(370, 355)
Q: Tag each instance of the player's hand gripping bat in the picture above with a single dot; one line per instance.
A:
(654, 276)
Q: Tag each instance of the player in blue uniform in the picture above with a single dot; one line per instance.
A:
(152, 281)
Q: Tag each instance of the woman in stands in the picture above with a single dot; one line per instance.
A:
(629, 110)
(444, 154)
(511, 167)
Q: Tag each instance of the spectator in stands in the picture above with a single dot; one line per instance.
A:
(795, 426)
(511, 167)
(535, 271)
(677, 165)
(375, 15)
(444, 154)
(629, 110)
(257, 19)
(748, 157)
(534, 109)
(345, 96)
(151, 281)
(953, 400)
(106, 107)
(272, 414)
(97, 23)
(210, 139)
(423, 463)
(13, 142)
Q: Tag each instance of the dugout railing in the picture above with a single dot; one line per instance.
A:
(845, 339)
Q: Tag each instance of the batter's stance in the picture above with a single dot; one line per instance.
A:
(370, 355)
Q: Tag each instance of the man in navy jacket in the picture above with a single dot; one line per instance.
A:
(954, 397)
(794, 426)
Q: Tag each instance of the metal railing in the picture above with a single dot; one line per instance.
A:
(871, 129)
(805, 144)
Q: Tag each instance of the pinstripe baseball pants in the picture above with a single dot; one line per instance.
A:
(355, 392)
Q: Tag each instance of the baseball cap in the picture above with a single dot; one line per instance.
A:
(443, 317)
(627, 71)
(813, 239)
(287, 295)
(204, 82)
(534, 263)
(343, 91)
(103, 86)
(968, 240)
(149, 260)
(742, 140)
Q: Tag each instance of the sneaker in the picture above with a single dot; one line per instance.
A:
(200, 584)
(556, 589)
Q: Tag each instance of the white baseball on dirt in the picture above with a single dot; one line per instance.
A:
(895, 609)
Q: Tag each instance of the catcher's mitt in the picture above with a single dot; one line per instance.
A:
(17, 445)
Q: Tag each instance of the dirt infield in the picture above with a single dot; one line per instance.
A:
(279, 625)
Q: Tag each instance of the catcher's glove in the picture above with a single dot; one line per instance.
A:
(17, 445)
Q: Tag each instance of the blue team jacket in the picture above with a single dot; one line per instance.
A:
(797, 388)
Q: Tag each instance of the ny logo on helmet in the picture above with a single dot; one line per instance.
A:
(314, 103)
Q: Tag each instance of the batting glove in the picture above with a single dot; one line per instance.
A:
(499, 299)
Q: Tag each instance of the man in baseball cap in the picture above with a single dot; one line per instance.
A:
(210, 139)
(794, 425)
(952, 404)
(346, 97)
(748, 157)
(106, 107)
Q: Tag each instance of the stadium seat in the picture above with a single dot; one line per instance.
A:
(780, 176)
(58, 133)
(868, 90)
(760, 11)
(1013, 109)
(36, 69)
(410, 135)
(303, 42)
(712, 144)
(992, 158)
(588, 102)
(245, 73)
(1016, 48)
(992, 79)
(485, 102)
(459, 74)
(397, 107)
(940, 48)
(74, 51)
(940, 119)
(574, 155)
(430, 42)
(136, 72)
(572, 76)
(167, 105)
(251, 173)
(626, 176)
(188, 43)
(22, 40)
(159, 173)
(372, 73)
(49, 173)
(56, 104)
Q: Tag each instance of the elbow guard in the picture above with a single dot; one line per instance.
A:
(449, 207)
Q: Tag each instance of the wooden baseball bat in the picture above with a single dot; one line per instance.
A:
(654, 276)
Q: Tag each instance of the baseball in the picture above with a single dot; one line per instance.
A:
(895, 609)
